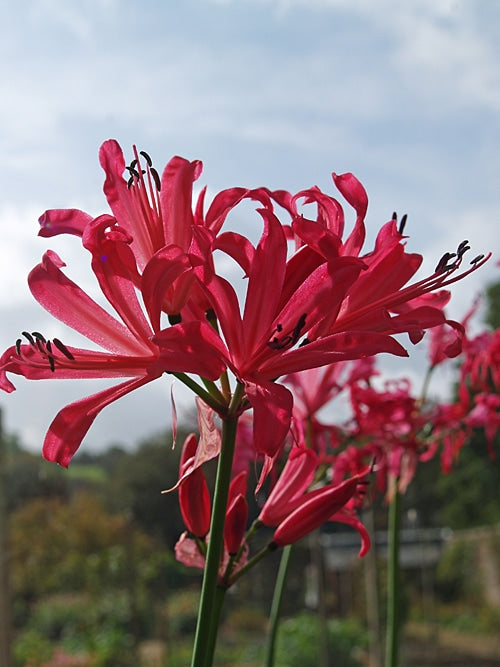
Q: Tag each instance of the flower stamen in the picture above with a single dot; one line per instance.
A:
(38, 342)
(290, 339)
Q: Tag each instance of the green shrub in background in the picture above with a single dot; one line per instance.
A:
(32, 648)
(299, 640)
(181, 612)
(80, 625)
(451, 579)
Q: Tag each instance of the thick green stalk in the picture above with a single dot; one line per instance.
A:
(219, 596)
(210, 602)
(274, 617)
(393, 590)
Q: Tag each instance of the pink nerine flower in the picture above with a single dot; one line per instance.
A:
(154, 256)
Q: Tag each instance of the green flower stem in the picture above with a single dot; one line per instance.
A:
(210, 604)
(216, 612)
(212, 401)
(393, 592)
(214, 391)
(425, 386)
(253, 529)
(224, 382)
(248, 566)
(276, 605)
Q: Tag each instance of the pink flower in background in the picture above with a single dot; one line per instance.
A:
(296, 509)
(481, 368)
(446, 340)
(333, 502)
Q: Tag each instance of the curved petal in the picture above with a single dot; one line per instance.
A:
(264, 284)
(356, 195)
(272, 412)
(162, 285)
(321, 239)
(226, 306)
(238, 247)
(71, 424)
(293, 481)
(221, 205)
(115, 187)
(63, 299)
(114, 265)
(63, 221)
(176, 200)
(330, 213)
(235, 524)
(352, 520)
(8, 359)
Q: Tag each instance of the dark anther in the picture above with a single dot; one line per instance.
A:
(290, 339)
(50, 357)
(62, 348)
(443, 262)
(156, 178)
(132, 171)
(402, 224)
(462, 249)
(28, 337)
(147, 158)
(175, 319)
(395, 216)
(477, 259)
(44, 347)
(298, 328)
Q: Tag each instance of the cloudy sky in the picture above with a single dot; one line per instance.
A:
(279, 93)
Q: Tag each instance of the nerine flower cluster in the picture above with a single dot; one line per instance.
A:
(311, 297)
